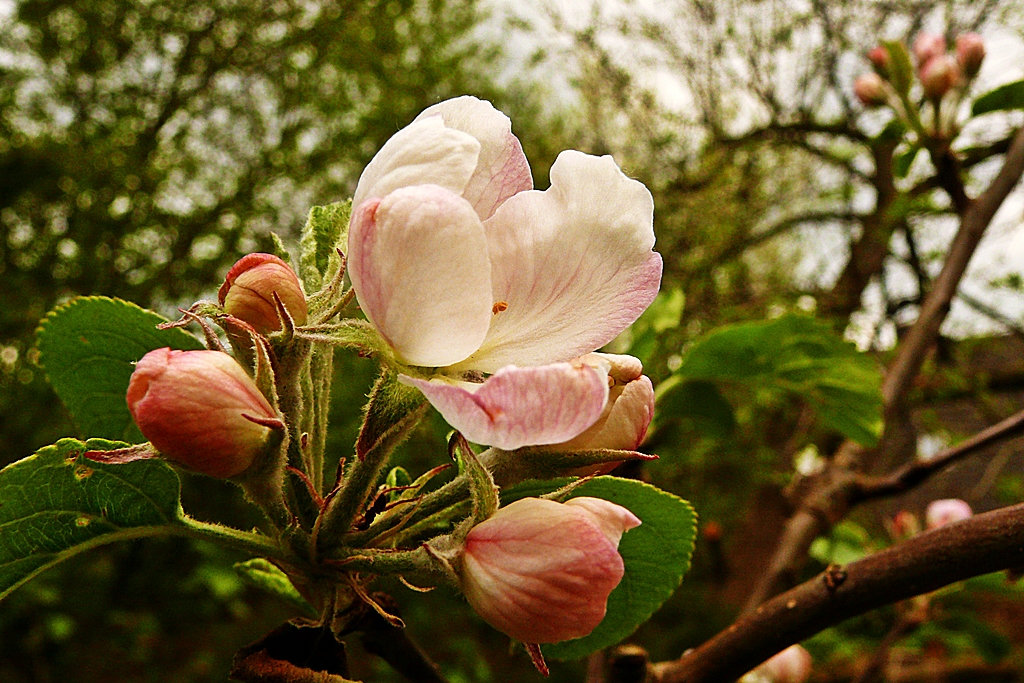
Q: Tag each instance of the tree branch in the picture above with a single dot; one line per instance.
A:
(831, 495)
(913, 473)
(983, 544)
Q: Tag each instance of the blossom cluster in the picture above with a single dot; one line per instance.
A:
(489, 297)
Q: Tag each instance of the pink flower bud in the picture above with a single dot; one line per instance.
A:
(880, 60)
(906, 524)
(927, 46)
(946, 511)
(792, 665)
(870, 90)
(248, 292)
(627, 414)
(939, 75)
(542, 571)
(970, 53)
(194, 407)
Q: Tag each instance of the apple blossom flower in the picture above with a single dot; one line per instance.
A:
(487, 290)
(200, 409)
(946, 511)
(541, 571)
(970, 53)
(870, 90)
(792, 665)
(249, 288)
(927, 46)
(938, 75)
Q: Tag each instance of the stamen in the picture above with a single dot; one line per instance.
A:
(498, 307)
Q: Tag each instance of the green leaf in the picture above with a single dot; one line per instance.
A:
(902, 163)
(326, 230)
(696, 405)
(901, 71)
(56, 504)
(656, 555)
(800, 356)
(88, 348)
(266, 576)
(1009, 96)
(893, 131)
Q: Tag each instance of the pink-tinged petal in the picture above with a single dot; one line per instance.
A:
(418, 262)
(571, 266)
(612, 519)
(623, 423)
(540, 571)
(519, 407)
(502, 169)
(425, 151)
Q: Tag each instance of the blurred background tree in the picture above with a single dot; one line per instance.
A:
(145, 145)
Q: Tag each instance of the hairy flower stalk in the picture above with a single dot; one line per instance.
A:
(486, 291)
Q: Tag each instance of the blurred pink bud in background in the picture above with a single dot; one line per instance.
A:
(870, 90)
(970, 53)
(939, 75)
(792, 665)
(927, 46)
(946, 511)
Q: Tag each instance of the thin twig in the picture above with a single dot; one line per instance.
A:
(913, 473)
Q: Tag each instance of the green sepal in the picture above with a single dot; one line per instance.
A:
(268, 577)
(901, 71)
(326, 230)
(1009, 96)
(88, 348)
(393, 410)
(482, 489)
(512, 467)
(280, 251)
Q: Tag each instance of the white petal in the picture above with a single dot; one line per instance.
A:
(424, 152)
(418, 262)
(502, 169)
(571, 266)
(519, 407)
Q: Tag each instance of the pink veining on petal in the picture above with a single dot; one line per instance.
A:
(541, 571)
(502, 169)
(574, 264)
(519, 407)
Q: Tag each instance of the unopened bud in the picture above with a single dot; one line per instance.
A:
(970, 53)
(542, 571)
(946, 511)
(928, 46)
(627, 414)
(792, 665)
(249, 288)
(870, 90)
(880, 60)
(939, 75)
(201, 410)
